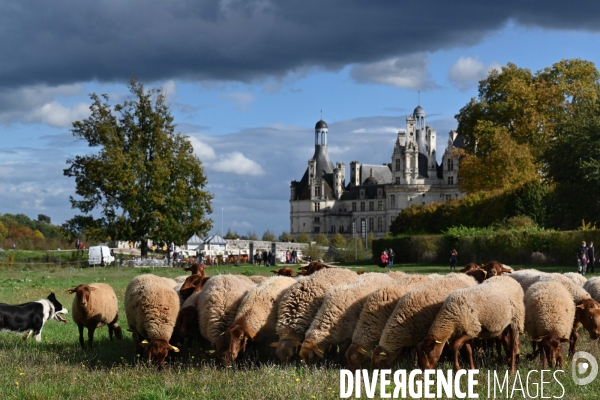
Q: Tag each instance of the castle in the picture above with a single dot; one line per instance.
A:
(322, 201)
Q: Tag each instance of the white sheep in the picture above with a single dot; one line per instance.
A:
(217, 307)
(94, 306)
(336, 319)
(485, 311)
(549, 316)
(576, 278)
(413, 315)
(377, 309)
(256, 316)
(151, 306)
(301, 303)
(592, 286)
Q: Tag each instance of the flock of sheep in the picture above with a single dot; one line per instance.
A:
(348, 317)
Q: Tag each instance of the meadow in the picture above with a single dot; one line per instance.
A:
(59, 368)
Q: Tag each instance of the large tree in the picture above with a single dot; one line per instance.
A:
(144, 182)
(514, 118)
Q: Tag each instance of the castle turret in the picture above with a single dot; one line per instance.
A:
(354, 173)
(339, 180)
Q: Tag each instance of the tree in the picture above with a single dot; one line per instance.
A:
(315, 252)
(252, 235)
(145, 180)
(303, 237)
(321, 239)
(285, 237)
(269, 236)
(231, 235)
(338, 241)
(44, 218)
(3, 231)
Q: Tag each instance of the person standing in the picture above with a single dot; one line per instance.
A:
(453, 259)
(384, 259)
(581, 251)
(391, 256)
(77, 244)
(265, 258)
(591, 258)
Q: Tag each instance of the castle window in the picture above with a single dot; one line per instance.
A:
(450, 180)
(371, 224)
(341, 230)
(450, 164)
(448, 197)
(333, 229)
(317, 206)
(397, 180)
(317, 219)
(317, 229)
(371, 206)
(380, 205)
(353, 206)
(393, 202)
(362, 194)
(362, 206)
(317, 191)
(380, 224)
(398, 164)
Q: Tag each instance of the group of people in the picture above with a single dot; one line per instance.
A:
(586, 258)
(387, 258)
(79, 246)
(265, 257)
(291, 257)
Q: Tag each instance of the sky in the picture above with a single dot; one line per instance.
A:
(247, 80)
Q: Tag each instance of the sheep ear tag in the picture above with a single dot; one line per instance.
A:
(362, 350)
(274, 344)
(144, 343)
(175, 349)
(438, 342)
(383, 353)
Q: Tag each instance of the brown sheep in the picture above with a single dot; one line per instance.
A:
(287, 271)
(312, 267)
(196, 269)
(479, 274)
(470, 267)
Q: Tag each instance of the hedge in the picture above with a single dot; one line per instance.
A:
(508, 247)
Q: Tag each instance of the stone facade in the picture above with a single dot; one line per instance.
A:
(322, 201)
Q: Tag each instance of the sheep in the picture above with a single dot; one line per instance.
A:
(470, 267)
(485, 311)
(287, 271)
(592, 286)
(257, 279)
(549, 316)
(576, 278)
(413, 315)
(312, 267)
(300, 304)
(527, 277)
(256, 316)
(373, 316)
(336, 319)
(151, 306)
(187, 326)
(494, 268)
(217, 306)
(197, 269)
(94, 306)
(396, 275)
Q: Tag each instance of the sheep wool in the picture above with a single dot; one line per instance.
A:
(576, 278)
(548, 308)
(577, 292)
(302, 301)
(151, 306)
(592, 286)
(337, 317)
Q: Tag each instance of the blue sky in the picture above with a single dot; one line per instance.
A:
(249, 100)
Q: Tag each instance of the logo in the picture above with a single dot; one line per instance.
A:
(584, 364)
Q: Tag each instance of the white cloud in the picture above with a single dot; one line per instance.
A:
(202, 150)
(58, 115)
(241, 99)
(237, 163)
(408, 72)
(468, 71)
(169, 89)
(242, 224)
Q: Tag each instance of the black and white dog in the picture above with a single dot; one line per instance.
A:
(30, 317)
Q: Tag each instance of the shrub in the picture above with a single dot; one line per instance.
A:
(538, 257)
(303, 238)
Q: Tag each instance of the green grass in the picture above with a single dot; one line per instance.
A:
(58, 368)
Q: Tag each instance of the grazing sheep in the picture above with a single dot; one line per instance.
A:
(256, 316)
(372, 319)
(197, 269)
(413, 315)
(470, 267)
(94, 306)
(485, 311)
(336, 319)
(151, 306)
(527, 277)
(301, 303)
(479, 275)
(312, 267)
(494, 268)
(217, 307)
(287, 271)
(549, 316)
(592, 286)
(576, 278)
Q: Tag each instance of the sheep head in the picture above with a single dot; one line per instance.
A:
(382, 358)
(196, 269)
(551, 347)
(429, 351)
(238, 339)
(356, 356)
(286, 349)
(158, 349)
(82, 293)
(588, 313)
(310, 353)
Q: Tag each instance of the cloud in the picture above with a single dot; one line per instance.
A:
(54, 43)
(467, 71)
(169, 89)
(408, 72)
(57, 115)
(202, 150)
(241, 99)
(237, 163)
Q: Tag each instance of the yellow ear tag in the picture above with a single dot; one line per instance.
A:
(211, 351)
(222, 334)
(362, 350)
(438, 342)
(175, 349)
(383, 353)
(144, 341)
(319, 350)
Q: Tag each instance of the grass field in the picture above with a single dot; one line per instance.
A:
(58, 368)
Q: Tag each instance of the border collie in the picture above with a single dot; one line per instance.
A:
(30, 318)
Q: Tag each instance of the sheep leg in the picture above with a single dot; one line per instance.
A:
(458, 343)
(110, 332)
(574, 337)
(543, 358)
(514, 346)
(81, 335)
(91, 335)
